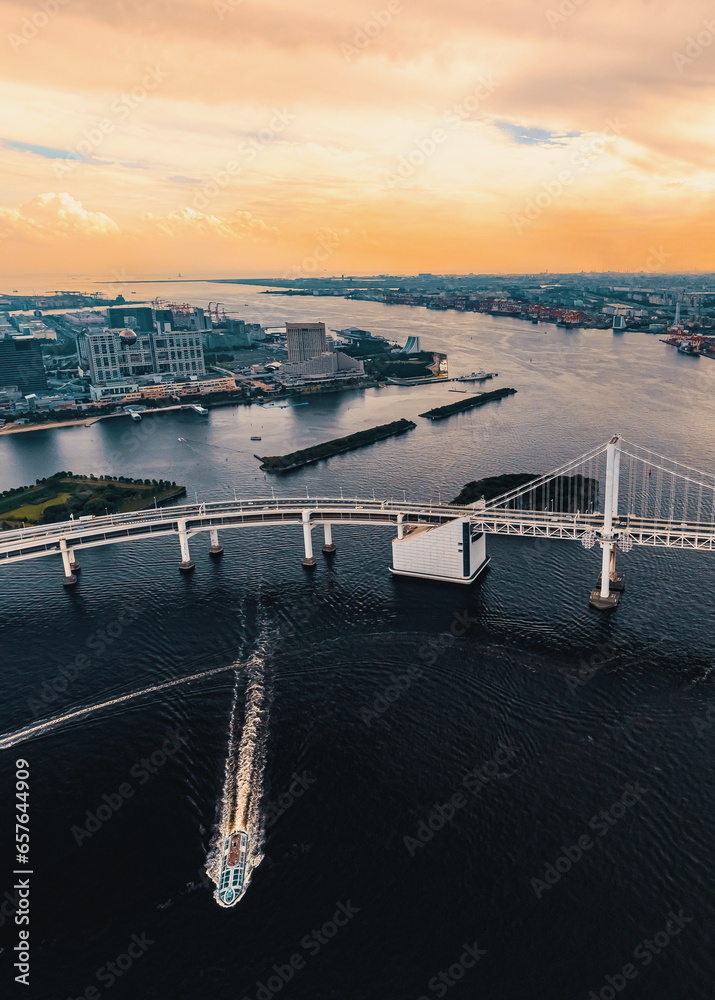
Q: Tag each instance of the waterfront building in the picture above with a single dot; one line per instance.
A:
(305, 341)
(327, 363)
(21, 364)
(204, 387)
(111, 355)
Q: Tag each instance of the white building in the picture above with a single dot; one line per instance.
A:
(114, 355)
(305, 341)
(454, 552)
(328, 363)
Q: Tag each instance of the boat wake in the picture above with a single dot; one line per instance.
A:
(240, 806)
(39, 728)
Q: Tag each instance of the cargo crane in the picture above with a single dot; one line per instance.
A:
(217, 312)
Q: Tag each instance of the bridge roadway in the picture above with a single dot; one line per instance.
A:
(32, 543)
(190, 519)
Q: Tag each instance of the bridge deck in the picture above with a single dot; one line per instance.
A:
(35, 542)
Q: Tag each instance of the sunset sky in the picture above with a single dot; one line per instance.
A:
(277, 137)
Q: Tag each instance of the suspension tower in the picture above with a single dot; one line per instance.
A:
(611, 585)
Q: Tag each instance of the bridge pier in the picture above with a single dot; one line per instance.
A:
(74, 565)
(328, 547)
(608, 597)
(400, 526)
(216, 549)
(70, 579)
(604, 598)
(617, 580)
(186, 565)
(309, 560)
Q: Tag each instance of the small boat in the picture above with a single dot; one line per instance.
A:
(231, 884)
(476, 377)
(197, 408)
(256, 437)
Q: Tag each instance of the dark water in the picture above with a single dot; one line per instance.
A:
(383, 697)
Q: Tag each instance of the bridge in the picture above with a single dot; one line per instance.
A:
(616, 496)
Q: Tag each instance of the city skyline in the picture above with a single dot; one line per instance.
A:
(223, 138)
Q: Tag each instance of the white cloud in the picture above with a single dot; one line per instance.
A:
(51, 216)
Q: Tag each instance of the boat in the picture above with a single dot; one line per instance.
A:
(534, 320)
(232, 880)
(256, 437)
(197, 408)
(688, 347)
(476, 377)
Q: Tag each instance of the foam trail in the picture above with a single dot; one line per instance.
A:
(240, 807)
(21, 735)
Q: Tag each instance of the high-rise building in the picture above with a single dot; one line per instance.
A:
(305, 341)
(182, 317)
(111, 355)
(21, 364)
(132, 318)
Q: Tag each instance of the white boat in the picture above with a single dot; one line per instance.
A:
(231, 884)
(476, 377)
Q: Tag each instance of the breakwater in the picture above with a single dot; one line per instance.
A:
(441, 412)
(306, 456)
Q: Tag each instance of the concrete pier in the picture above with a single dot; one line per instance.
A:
(604, 603)
(328, 547)
(74, 565)
(309, 560)
(69, 579)
(216, 549)
(186, 565)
